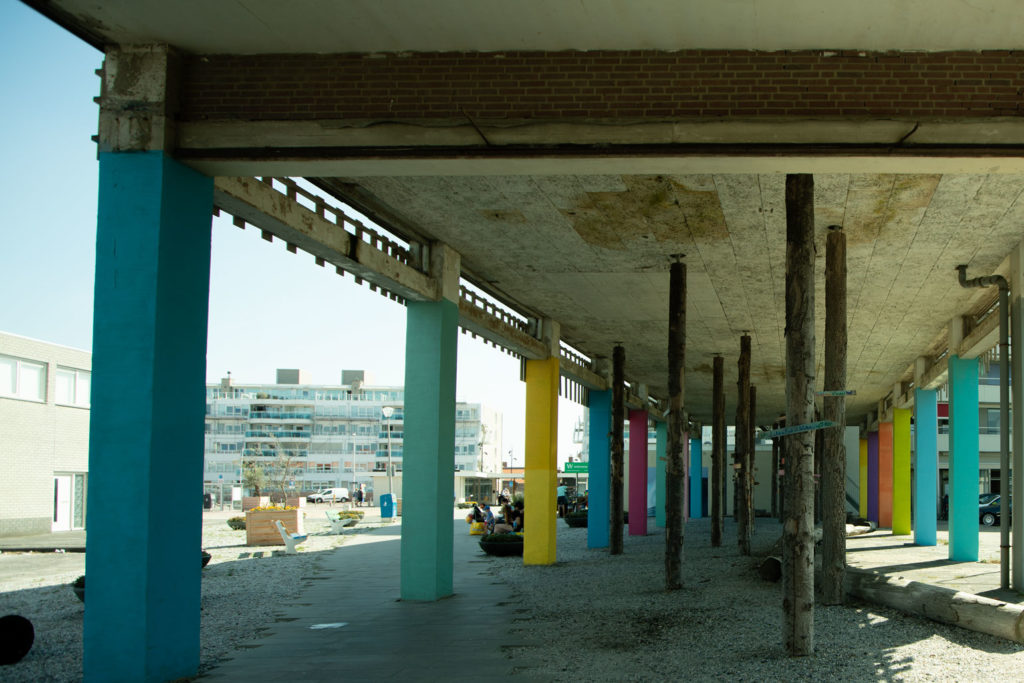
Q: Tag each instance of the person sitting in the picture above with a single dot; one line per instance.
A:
(478, 515)
(518, 517)
(488, 518)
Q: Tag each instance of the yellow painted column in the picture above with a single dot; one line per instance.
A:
(541, 460)
(901, 472)
(863, 478)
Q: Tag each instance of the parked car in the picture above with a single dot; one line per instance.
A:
(983, 500)
(989, 514)
(339, 495)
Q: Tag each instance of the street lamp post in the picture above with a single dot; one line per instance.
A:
(388, 412)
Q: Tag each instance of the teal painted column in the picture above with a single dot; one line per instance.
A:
(146, 424)
(599, 469)
(660, 451)
(926, 466)
(696, 477)
(428, 470)
(963, 459)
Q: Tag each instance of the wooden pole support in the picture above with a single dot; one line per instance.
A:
(676, 425)
(717, 486)
(618, 406)
(833, 465)
(798, 523)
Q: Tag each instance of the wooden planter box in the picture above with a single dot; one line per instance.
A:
(249, 502)
(261, 530)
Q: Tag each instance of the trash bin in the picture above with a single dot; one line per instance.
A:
(207, 501)
(387, 506)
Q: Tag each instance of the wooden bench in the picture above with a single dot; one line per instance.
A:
(339, 524)
(290, 540)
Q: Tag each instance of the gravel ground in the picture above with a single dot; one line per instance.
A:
(724, 624)
(238, 580)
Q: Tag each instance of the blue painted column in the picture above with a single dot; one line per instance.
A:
(696, 476)
(661, 451)
(963, 459)
(599, 480)
(926, 466)
(146, 423)
(428, 470)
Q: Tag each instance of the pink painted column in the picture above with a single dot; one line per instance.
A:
(638, 473)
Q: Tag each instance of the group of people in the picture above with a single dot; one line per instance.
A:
(512, 519)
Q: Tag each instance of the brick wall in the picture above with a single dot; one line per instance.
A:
(603, 85)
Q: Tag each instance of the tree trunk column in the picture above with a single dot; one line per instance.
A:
(798, 527)
(618, 418)
(833, 559)
(674, 467)
(717, 486)
(742, 442)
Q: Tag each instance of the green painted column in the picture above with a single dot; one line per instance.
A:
(147, 419)
(901, 472)
(660, 446)
(428, 469)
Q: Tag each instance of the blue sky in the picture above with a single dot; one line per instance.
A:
(268, 308)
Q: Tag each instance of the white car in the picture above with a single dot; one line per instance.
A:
(339, 495)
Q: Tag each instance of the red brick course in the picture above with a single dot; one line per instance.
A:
(603, 85)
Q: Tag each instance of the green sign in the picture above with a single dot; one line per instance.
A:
(576, 467)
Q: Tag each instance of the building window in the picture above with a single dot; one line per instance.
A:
(22, 379)
(73, 387)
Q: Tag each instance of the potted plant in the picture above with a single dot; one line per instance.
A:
(237, 523)
(502, 545)
(78, 585)
(206, 558)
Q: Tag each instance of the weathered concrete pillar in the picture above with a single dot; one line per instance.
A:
(717, 485)
(148, 382)
(542, 379)
(742, 443)
(599, 480)
(431, 357)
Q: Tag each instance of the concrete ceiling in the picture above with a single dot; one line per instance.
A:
(315, 26)
(593, 251)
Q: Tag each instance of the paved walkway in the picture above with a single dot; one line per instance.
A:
(348, 621)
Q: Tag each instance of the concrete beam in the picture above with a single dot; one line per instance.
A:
(258, 203)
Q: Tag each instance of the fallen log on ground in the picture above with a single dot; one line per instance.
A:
(973, 612)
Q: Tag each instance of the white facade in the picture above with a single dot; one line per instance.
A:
(326, 435)
(44, 450)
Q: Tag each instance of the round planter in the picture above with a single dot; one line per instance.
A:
(206, 558)
(503, 548)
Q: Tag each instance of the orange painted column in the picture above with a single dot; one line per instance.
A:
(885, 475)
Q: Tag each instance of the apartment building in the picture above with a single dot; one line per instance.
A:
(307, 437)
(44, 448)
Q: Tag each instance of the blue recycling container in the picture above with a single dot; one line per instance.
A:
(387, 506)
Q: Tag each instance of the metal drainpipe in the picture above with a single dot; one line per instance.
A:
(1004, 413)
